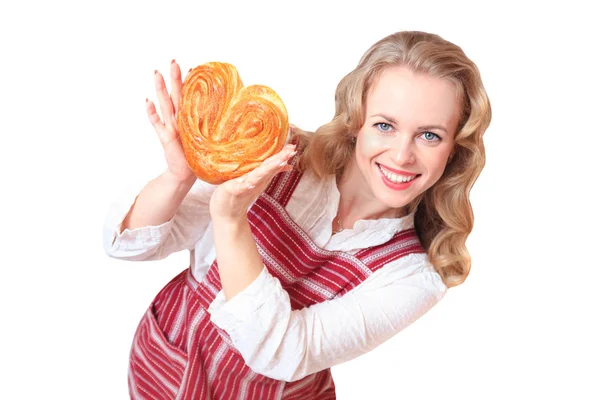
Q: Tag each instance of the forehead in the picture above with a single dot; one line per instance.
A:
(414, 98)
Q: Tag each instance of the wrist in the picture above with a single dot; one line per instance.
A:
(177, 183)
(230, 224)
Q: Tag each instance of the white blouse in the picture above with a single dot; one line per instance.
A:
(274, 340)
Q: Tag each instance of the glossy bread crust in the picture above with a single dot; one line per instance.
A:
(228, 129)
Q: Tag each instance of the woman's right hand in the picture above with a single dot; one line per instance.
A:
(166, 128)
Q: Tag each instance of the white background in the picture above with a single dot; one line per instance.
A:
(74, 135)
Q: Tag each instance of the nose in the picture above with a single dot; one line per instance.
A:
(403, 152)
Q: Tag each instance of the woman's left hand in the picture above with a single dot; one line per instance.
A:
(231, 200)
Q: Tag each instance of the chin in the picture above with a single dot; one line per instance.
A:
(399, 195)
(394, 201)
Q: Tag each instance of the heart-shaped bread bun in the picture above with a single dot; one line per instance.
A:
(227, 129)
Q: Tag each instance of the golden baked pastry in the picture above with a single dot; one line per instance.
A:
(227, 129)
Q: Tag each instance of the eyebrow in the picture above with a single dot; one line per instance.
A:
(424, 127)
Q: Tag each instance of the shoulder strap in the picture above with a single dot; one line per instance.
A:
(283, 185)
(401, 244)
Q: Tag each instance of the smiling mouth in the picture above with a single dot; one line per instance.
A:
(396, 178)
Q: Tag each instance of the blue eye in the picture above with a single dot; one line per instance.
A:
(383, 127)
(430, 137)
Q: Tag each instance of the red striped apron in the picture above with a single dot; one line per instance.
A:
(178, 353)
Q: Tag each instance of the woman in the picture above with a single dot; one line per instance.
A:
(323, 252)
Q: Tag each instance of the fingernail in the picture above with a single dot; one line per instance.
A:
(189, 70)
(146, 99)
(251, 187)
(172, 61)
(283, 164)
(156, 71)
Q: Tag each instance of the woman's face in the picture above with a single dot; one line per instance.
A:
(408, 135)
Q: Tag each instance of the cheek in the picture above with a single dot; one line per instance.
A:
(440, 170)
(369, 146)
(436, 165)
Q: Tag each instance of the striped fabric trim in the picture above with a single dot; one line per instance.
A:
(404, 242)
(318, 386)
(309, 273)
(201, 366)
(283, 185)
(178, 353)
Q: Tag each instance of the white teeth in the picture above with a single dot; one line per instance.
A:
(395, 177)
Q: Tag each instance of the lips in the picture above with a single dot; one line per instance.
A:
(396, 176)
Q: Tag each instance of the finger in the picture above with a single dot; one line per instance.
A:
(256, 181)
(259, 180)
(175, 85)
(155, 120)
(292, 129)
(287, 152)
(270, 167)
(265, 171)
(152, 115)
(166, 105)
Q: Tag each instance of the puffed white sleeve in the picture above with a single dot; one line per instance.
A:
(289, 345)
(156, 242)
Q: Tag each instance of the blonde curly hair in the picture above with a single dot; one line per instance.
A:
(443, 214)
